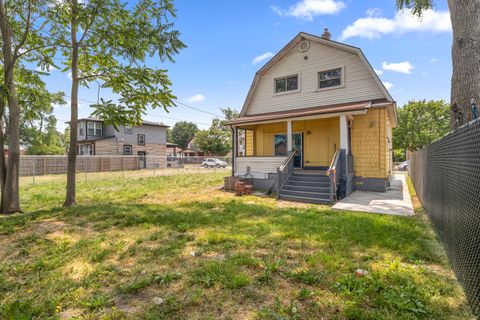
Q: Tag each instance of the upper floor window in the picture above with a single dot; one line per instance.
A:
(94, 128)
(286, 84)
(141, 139)
(330, 78)
(128, 130)
(81, 128)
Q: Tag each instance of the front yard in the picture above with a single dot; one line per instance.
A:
(176, 247)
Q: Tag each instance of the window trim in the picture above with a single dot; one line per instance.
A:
(95, 128)
(131, 149)
(299, 78)
(342, 79)
(138, 139)
(130, 131)
(81, 128)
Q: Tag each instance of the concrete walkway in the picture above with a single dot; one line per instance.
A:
(396, 201)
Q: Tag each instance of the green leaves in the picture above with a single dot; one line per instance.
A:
(420, 123)
(183, 132)
(417, 6)
(114, 39)
(216, 140)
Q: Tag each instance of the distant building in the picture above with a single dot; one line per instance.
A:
(148, 141)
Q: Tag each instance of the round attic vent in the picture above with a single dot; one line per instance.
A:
(303, 46)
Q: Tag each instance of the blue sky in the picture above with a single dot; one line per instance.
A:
(229, 40)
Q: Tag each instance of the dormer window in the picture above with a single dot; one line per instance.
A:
(94, 129)
(286, 84)
(330, 78)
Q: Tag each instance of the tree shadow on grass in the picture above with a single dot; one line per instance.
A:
(349, 232)
(345, 234)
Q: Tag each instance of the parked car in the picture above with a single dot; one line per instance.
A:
(404, 165)
(214, 162)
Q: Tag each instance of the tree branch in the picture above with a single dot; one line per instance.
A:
(25, 34)
(87, 28)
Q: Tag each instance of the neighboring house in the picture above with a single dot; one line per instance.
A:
(322, 99)
(173, 149)
(147, 141)
(192, 150)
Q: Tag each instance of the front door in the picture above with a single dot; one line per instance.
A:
(298, 147)
(142, 159)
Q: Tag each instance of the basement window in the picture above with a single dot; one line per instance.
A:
(286, 84)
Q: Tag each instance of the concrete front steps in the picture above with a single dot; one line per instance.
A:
(304, 187)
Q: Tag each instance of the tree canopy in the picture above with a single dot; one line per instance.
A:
(216, 140)
(420, 123)
(183, 132)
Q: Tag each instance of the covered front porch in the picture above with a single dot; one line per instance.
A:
(261, 148)
(297, 158)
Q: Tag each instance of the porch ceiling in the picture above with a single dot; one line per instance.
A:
(300, 113)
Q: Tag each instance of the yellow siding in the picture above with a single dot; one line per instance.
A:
(369, 144)
(249, 142)
(321, 139)
(322, 142)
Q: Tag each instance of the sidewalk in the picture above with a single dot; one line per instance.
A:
(396, 201)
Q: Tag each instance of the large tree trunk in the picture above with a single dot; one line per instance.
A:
(10, 192)
(3, 172)
(465, 16)
(72, 152)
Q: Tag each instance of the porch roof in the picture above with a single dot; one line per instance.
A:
(298, 113)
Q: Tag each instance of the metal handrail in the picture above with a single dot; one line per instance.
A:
(288, 165)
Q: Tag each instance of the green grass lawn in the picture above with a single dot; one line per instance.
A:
(176, 247)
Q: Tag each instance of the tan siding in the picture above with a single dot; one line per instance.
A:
(359, 83)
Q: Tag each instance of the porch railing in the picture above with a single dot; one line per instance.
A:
(284, 172)
(333, 173)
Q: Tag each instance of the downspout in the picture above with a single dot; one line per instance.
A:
(234, 148)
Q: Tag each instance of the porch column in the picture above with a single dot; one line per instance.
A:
(289, 136)
(344, 133)
(344, 139)
(234, 148)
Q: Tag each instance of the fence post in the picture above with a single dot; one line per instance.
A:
(123, 169)
(44, 165)
(33, 171)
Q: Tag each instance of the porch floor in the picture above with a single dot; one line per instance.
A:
(396, 201)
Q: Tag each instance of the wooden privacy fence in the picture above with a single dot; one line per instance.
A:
(41, 165)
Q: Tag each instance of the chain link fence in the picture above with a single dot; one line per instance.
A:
(37, 169)
(446, 177)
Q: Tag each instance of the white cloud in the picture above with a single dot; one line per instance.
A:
(388, 85)
(401, 67)
(196, 98)
(379, 72)
(262, 57)
(374, 12)
(434, 60)
(374, 27)
(308, 9)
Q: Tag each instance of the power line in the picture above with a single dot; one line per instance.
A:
(148, 114)
(200, 110)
